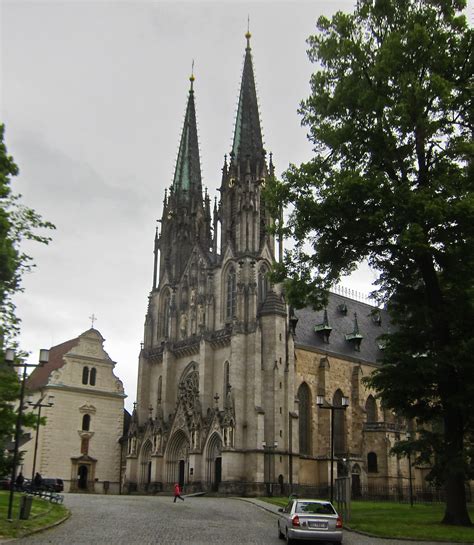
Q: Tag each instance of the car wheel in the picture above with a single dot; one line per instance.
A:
(280, 533)
(289, 541)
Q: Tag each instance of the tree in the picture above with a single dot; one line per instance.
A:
(17, 223)
(391, 119)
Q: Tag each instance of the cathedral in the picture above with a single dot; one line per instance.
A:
(232, 381)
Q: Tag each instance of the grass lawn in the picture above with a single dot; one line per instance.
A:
(43, 513)
(385, 519)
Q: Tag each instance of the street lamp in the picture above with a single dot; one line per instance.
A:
(39, 405)
(10, 360)
(323, 404)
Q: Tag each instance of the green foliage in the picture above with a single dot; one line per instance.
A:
(17, 223)
(9, 391)
(391, 120)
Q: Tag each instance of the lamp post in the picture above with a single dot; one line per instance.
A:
(10, 360)
(323, 404)
(39, 405)
(410, 477)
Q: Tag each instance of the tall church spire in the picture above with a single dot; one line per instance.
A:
(186, 219)
(187, 176)
(248, 142)
(245, 221)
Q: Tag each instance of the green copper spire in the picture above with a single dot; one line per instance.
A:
(248, 142)
(187, 176)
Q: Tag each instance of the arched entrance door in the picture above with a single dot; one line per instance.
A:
(177, 458)
(82, 474)
(145, 463)
(214, 462)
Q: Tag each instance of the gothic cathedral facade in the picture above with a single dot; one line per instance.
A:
(226, 394)
(217, 359)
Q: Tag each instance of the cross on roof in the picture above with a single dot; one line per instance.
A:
(92, 318)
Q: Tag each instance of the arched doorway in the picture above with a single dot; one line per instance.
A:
(82, 474)
(214, 462)
(145, 464)
(177, 458)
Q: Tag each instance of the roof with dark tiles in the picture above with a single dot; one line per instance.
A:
(39, 377)
(342, 324)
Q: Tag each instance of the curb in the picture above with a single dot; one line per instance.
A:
(37, 530)
(260, 505)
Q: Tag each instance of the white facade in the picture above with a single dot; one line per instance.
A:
(80, 441)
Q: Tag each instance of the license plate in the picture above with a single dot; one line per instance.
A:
(322, 525)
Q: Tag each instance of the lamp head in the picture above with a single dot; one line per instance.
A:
(44, 356)
(9, 355)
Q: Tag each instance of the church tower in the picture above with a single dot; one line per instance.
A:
(244, 218)
(216, 369)
(186, 218)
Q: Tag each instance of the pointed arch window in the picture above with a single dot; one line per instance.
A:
(305, 418)
(226, 377)
(159, 389)
(372, 462)
(262, 284)
(371, 409)
(231, 294)
(166, 316)
(85, 375)
(339, 425)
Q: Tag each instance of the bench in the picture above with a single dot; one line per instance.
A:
(49, 495)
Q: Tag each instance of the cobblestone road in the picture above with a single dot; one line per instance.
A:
(151, 520)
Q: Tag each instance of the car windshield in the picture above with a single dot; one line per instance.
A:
(315, 508)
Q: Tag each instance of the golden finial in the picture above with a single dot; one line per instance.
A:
(247, 34)
(191, 77)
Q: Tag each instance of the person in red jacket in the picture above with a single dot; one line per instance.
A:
(177, 493)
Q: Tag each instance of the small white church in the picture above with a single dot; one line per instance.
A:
(83, 402)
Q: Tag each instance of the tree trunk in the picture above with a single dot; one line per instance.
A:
(456, 508)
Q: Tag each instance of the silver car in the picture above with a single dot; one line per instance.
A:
(310, 519)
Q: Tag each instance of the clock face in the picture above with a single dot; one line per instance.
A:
(231, 182)
(262, 182)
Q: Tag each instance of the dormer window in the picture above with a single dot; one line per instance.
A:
(324, 329)
(377, 318)
(342, 308)
(355, 338)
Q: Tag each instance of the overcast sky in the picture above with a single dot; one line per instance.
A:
(93, 95)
